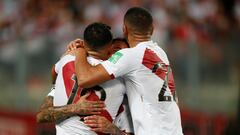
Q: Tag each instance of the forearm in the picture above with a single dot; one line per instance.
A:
(82, 68)
(54, 114)
(88, 75)
(49, 113)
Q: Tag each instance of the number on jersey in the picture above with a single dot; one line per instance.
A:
(165, 68)
(95, 88)
(74, 89)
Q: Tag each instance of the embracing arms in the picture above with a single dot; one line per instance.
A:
(50, 113)
(89, 75)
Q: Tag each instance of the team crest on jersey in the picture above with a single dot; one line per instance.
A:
(115, 57)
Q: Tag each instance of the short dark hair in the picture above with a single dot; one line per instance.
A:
(121, 40)
(139, 19)
(97, 35)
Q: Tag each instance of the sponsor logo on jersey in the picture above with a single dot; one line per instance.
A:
(115, 57)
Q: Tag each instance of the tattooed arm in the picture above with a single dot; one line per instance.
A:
(49, 113)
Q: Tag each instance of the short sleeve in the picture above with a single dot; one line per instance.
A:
(62, 61)
(51, 93)
(120, 63)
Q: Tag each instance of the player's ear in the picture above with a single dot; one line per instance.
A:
(125, 30)
(152, 29)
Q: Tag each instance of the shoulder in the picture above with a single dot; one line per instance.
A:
(162, 54)
(127, 53)
(63, 61)
(132, 50)
(154, 47)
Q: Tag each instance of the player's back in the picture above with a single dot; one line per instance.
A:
(110, 92)
(162, 112)
(154, 110)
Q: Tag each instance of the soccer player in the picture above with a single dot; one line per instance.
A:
(67, 103)
(147, 75)
(123, 117)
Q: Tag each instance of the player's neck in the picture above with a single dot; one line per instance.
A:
(136, 39)
(96, 55)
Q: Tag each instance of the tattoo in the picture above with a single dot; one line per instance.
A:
(48, 102)
(49, 113)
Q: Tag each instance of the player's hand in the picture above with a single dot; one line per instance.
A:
(85, 107)
(100, 124)
(80, 51)
(73, 45)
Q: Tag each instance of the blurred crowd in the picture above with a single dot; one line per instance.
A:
(200, 34)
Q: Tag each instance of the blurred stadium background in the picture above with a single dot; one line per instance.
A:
(201, 37)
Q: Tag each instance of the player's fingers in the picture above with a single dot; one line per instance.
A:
(99, 102)
(78, 40)
(96, 106)
(69, 46)
(92, 125)
(73, 46)
(92, 117)
(85, 96)
(90, 121)
(95, 112)
(97, 119)
(97, 109)
(97, 129)
(78, 43)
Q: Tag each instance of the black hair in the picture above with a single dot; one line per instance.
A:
(97, 36)
(139, 19)
(120, 39)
